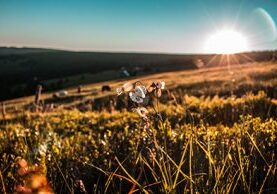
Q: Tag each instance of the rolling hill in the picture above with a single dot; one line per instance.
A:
(22, 69)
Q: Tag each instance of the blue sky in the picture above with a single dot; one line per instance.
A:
(168, 26)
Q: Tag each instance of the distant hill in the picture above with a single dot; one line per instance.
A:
(23, 50)
(21, 69)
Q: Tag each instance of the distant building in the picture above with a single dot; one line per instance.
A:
(124, 72)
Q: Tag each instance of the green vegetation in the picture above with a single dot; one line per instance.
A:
(195, 139)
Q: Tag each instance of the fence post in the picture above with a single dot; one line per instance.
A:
(3, 110)
(79, 89)
(37, 97)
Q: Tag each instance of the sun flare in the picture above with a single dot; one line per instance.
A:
(226, 42)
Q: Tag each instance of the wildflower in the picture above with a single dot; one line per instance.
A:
(139, 94)
(119, 91)
(140, 91)
(160, 84)
(125, 88)
(156, 87)
(142, 112)
(135, 98)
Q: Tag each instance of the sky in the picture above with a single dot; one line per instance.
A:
(156, 26)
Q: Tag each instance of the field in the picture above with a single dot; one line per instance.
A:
(212, 130)
(58, 69)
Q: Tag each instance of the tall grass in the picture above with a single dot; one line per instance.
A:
(204, 145)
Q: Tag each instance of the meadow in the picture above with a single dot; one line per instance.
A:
(211, 130)
(58, 69)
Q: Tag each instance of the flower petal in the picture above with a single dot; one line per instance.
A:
(142, 111)
(135, 98)
(140, 91)
(119, 91)
(163, 85)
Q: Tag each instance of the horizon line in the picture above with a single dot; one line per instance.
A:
(128, 52)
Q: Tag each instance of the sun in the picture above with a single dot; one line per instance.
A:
(226, 42)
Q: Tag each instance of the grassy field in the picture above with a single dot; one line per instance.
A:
(57, 69)
(212, 130)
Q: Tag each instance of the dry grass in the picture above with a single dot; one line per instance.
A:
(230, 77)
(218, 135)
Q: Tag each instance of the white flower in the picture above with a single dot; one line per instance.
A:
(159, 84)
(142, 111)
(162, 85)
(156, 87)
(135, 98)
(140, 91)
(119, 91)
(139, 94)
(125, 88)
